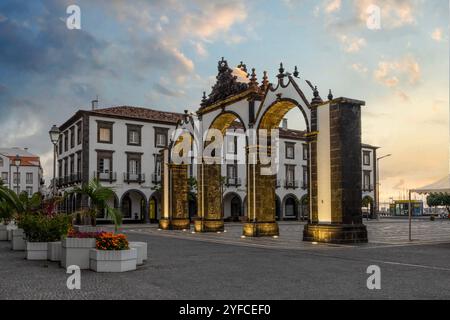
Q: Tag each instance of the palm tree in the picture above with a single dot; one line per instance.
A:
(9, 198)
(98, 196)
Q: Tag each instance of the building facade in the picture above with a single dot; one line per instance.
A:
(28, 176)
(121, 147)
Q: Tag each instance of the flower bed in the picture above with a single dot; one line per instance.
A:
(112, 254)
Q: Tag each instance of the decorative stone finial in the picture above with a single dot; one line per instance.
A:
(265, 82)
(281, 70)
(296, 73)
(330, 95)
(204, 97)
(253, 79)
(223, 65)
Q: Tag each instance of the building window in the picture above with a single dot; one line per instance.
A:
(134, 134)
(104, 132)
(16, 178)
(16, 189)
(290, 176)
(79, 133)
(5, 177)
(60, 147)
(79, 162)
(72, 137)
(134, 167)
(305, 177)
(231, 171)
(290, 150)
(66, 167)
(305, 151)
(104, 161)
(366, 181)
(366, 158)
(30, 191)
(231, 144)
(60, 168)
(1, 162)
(72, 164)
(161, 135)
(66, 141)
(29, 178)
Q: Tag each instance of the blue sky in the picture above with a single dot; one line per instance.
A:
(163, 55)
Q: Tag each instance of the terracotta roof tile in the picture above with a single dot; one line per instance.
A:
(141, 113)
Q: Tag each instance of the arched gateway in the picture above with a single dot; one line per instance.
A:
(334, 139)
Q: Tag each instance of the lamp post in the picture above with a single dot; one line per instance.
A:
(54, 138)
(378, 184)
(17, 164)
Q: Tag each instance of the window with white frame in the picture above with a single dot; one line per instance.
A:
(5, 177)
(161, 135)
(30, 191)
(366, 158)
(29, 178)
(290, 150)
(1, 162)
(16, 177)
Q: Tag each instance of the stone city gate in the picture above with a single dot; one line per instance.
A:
(333, 136)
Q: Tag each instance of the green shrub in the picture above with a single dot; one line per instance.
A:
(42, 228)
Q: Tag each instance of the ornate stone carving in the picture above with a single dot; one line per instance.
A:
(226, 85)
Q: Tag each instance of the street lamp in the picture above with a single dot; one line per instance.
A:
(54, 138)
(378, 184)
(17, 164)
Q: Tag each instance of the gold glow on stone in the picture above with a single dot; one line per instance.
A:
(242, 237)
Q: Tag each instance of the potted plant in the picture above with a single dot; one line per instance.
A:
(6, 211)
(58, 228)
(40, 230)
(112, 254)
(35, 229)
(75, 248)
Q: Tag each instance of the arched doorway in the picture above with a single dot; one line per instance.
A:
(232, 207)
(368, 207)
(277, 208)
(290, 207)
(133, 206)
(154, 207)
(304, 207)
(113, 202)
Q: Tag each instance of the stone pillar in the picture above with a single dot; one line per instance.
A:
(261, 211)
(336, 174)
(209, 199)
(175, 189)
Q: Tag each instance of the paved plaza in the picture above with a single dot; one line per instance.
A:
(183, 265)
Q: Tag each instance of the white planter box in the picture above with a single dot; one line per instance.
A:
(3, 232)
(9, 231)
(81, 228)
(113, 260)
(18, 240)
(54, 251)
(141, 248)
(36, 250)
(75, 251)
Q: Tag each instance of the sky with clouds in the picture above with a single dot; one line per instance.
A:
(163, 55)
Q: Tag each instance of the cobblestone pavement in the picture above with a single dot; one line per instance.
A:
(381, 233)
(224, 266)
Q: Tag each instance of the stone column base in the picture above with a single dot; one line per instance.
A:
(335, 233)
(261, 229)
(209, 225)
(174, 224)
